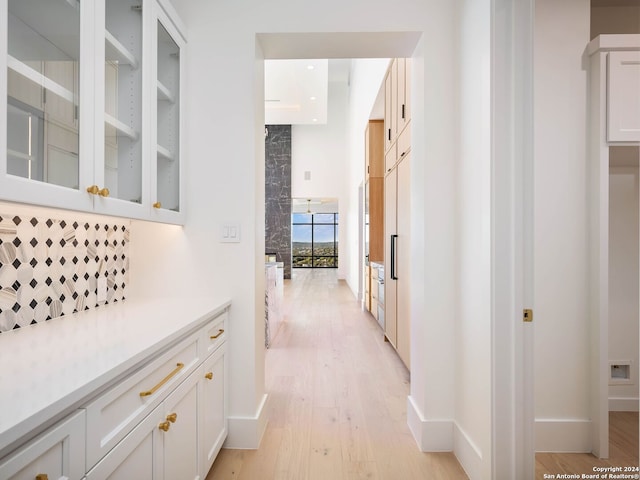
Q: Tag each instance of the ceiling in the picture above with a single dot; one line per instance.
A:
(296, 91)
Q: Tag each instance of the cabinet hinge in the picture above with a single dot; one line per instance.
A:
(527, 315)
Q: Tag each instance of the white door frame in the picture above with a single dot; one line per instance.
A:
(513, 446)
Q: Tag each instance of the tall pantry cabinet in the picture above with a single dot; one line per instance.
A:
(398, 207)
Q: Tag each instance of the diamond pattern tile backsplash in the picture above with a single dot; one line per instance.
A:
(50, 268)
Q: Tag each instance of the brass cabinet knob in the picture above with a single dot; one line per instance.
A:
(42, 476)
(157, 205)
(209, 376)
(93, 189)
(172, 417)
(164, 426)
(104, 192)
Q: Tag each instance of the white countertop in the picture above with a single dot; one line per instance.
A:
(50, 367)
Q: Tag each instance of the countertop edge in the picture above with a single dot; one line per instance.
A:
(25, 430)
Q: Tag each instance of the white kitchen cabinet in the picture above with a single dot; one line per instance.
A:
(137, 456)
(213, 408)
(83, 115)
(57, 454)
(623, 89)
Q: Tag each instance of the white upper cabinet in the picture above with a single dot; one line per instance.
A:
(166, 172)
(623, 111)
(46, 67)
(90, 87)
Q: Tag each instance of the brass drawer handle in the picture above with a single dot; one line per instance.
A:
(220, 332)
(42, 476)
(164, 426)
(172, 417)
(179, 367)
(93, 190)
(209, 376)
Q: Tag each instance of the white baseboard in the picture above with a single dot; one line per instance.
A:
(562, 435)
(245, 433)
(622, 404)
(430, 435)
(467, 453)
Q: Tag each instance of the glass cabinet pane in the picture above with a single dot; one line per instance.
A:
(43, 90)
(123, 99)
(168, 116)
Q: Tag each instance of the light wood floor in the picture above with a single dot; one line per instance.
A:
(623, 450)
(338, 398)
(338, 403)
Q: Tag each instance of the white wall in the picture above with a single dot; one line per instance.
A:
(561, 227)
(472, 434)
(224, 115)
(322, 150)
(624, 274)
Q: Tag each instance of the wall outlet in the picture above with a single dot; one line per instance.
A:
(102, 289)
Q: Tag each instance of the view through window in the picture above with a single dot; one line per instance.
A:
(314, 240)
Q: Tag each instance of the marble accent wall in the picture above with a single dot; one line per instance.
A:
(278, 194)
(50, 267)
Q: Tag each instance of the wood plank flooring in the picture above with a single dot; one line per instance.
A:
(623, 450)
(338, 397)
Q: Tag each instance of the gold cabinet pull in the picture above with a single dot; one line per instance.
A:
(104, 192)
(42, 476)
(146, 393)
(93, 189)
(157, 205)
(220, 332)
(209, 376)
(172, 417)
(164, 426)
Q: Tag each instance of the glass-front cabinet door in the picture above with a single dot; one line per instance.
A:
(121, 150)
(166, 167)
(91, 93)
(45, 131)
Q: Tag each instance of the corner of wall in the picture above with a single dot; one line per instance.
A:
(430, 435)
(245, 433)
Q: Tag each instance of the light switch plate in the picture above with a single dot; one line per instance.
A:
(230, 233)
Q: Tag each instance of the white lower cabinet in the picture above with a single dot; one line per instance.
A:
(57, 454)
(163, 446)
(213, 409)
(136, 456)
(165, 421)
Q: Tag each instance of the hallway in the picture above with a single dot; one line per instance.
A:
(338, 396)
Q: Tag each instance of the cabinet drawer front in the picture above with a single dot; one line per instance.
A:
(404, 143)
(213, 335)
(114, 413)
(57, 453)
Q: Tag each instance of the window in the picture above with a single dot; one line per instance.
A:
(314, 240)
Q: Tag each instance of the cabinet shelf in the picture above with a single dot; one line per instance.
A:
(164, 93)
(164, 153)
(37, 77)
(16, 154)
(121, 127)
(116, 51)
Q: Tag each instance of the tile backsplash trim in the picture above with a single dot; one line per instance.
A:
(50, 267)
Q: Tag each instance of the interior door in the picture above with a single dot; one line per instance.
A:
(390, 236)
